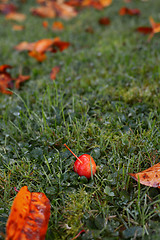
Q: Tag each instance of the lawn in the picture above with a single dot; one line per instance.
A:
(105, 101)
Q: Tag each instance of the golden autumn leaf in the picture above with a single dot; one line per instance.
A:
(29, 216)
(149, 177)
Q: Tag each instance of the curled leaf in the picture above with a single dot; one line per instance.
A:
(15, 16)
(29, 216)
(149, 177)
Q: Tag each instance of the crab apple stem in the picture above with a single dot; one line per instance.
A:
(72, 153)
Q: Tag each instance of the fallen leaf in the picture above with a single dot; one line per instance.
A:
(20, 79)
(45, 24)
(155, 28)
(40, 57)
(57, 26)
(17, 27)
(42, 45)
(24, 46)
(149, 177)
(5, 79)
(7, 8)
(44, 12)
(127, 11)
(104, 21)
(54, 72)
(59, 45)
(144, 30)
(29, 216)
(105, 3)
(15, 16)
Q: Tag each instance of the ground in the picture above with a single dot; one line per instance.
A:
(103, 102)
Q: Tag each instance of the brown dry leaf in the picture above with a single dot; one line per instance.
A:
(29, 216)
(17, 27)
(149, 177)
(57, 26)
(54, 72)
(104, 21)
(21, 79)
(15, 16)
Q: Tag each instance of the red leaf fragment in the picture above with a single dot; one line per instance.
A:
(104, 21)
(149, 177)
(5, 79)
(144, 30)
(127, 11)
(54, 72)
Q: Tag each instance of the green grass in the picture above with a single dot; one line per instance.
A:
(104, 102)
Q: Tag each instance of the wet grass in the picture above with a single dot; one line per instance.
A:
(104, 102)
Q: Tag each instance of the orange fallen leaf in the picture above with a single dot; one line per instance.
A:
(24, 46)
(59, 45)
(54, 72)
(17, 27)
(127, 11)
(155, 28)
(45, 24)
(57, 26)
(104, 21)
(149, 177)
(15, 16)
(29, 216)
(44, 12)
(105, 3)
(5, 79)
(42, 45)
(40, 57)
(20, 79)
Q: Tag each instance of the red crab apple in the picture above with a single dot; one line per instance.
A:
(84, 165)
